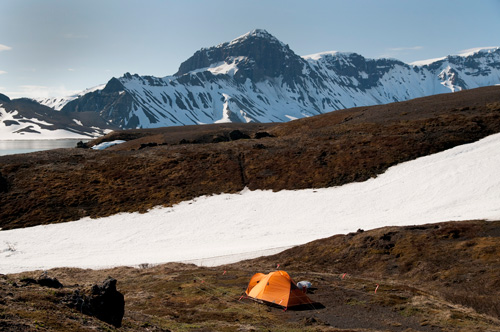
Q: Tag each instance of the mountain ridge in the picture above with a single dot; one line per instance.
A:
(257, 78)
(26, 119)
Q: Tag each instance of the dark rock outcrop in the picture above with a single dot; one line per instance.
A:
(4, 98)
(103, 302)
(82, 145)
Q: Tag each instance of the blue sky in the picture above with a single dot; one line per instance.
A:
(58, 47)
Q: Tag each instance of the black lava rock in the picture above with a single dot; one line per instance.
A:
(104, 302)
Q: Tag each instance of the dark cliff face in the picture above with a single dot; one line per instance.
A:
(112, 103)
(366, 72)
(258, 55)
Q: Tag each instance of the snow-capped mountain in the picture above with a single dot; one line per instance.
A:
(257, 78)
(58, 103)
(26, 119)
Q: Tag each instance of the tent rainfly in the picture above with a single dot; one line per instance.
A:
(277, 288)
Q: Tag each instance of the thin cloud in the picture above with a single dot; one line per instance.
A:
(5, 48)
(71, 69)
(402, 49)
(396, 52)
(40, 91)
(74, 36)
(471, 51)
(2, 72)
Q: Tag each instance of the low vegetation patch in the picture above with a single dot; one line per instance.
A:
(353, 289)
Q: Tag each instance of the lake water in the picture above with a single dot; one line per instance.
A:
(15, 147)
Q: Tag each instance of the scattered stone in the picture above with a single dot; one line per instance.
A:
(262, 134)
(219, 138)
(237, 134)
(82, 145)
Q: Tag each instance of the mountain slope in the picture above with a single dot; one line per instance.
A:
(59, 103)
(27, 119)
(257, 78)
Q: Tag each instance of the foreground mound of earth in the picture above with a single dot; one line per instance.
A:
(387, 279)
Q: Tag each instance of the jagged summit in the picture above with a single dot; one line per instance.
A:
(254, 55)
(256, 33)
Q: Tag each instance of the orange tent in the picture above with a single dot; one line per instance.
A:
(277, 288)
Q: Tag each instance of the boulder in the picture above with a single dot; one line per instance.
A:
(103, 302)
(237, 134)
(82, 145)
(262, 134)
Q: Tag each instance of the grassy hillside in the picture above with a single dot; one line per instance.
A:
(436, 277)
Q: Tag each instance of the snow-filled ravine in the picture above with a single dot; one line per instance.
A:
(458, 184)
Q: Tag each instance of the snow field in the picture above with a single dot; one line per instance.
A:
(458, 184)
(105, 145)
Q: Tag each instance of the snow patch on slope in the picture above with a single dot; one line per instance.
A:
(318, 56)
(426, 62)
(458, 184)
(464, 53)
(105, 145)
(12, 127)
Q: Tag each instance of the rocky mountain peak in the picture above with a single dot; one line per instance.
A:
(254, 55)
(256, 34)
(114, 85)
